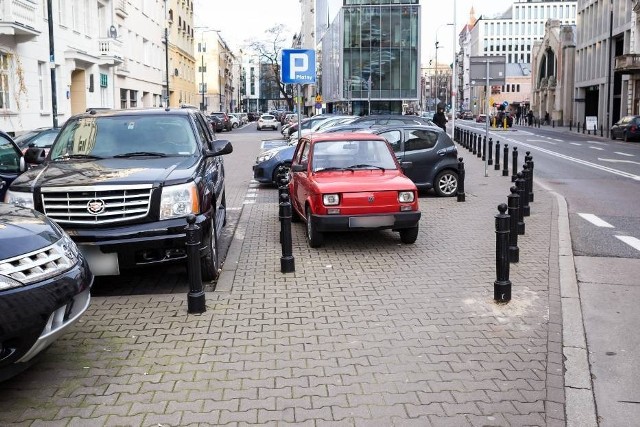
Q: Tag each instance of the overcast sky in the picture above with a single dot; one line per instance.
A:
(241, 20)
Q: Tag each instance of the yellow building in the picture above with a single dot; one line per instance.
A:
(182, 63)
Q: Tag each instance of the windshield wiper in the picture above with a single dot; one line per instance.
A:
(78, 156)
(363, 165)
(140, 153)
(331, 168)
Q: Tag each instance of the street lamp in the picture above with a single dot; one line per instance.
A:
(438, 47)
(203, 106)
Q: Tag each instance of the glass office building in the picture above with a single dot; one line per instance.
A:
(371, 57)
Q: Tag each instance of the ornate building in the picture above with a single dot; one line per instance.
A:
(553, 68)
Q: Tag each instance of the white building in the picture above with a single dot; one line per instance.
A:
(107, 54)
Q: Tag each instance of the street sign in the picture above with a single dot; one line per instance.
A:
(318, 105)
(298, 66)
(319, 98)
(478, 70)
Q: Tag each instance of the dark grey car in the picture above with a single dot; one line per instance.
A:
(432, 154)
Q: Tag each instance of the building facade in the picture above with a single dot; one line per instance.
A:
(181, 52)
(371, 57)
(554, 73)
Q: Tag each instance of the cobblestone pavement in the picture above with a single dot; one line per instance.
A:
(367, 331)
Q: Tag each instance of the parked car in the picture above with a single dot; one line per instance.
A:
(267, 121)
(44, 286)
(285, 115)
(235, 121)
(351, 181)
(466, 115)
(481, 118)
(13, 162)
(431, 152)
(216, 123)
(244, 118)
(226, 122)
(392, 119)
(41, 138)
(627, 128)
(270, 163)
(253, 116)
(129, 187)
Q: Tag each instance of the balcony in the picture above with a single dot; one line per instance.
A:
(19, 17)
(110, 51)
(123, 69)
(627, 64)
(121, 8)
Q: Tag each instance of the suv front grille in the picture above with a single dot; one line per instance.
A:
(96, 204)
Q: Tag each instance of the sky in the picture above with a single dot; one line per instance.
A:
(243, 20)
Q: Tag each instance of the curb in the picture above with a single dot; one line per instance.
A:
(228, 271)
(580, 409)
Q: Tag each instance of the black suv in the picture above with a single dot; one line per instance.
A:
(226, 123)
(122, 182)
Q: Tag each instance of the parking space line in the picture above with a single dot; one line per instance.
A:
(596, 142)
(624, 154)
(597, 148)
(558, 140)
(575, 143)
(631, 241)
(595, 220)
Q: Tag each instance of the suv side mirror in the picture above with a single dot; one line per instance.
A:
(34, 156)
(220, 147)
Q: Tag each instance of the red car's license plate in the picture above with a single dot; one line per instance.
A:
(371, 221)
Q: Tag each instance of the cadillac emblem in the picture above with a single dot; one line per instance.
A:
(372, 198)
(95, 206)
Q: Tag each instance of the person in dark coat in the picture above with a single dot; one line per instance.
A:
(440, 120)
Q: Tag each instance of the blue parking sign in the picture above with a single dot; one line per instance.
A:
(298, 66)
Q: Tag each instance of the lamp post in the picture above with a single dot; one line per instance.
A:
(203, 106)
(438, 47)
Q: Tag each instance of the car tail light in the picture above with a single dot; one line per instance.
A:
(633, 128)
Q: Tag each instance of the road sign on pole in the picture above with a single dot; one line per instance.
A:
(298, 66)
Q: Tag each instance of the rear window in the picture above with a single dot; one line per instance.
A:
(267, 117)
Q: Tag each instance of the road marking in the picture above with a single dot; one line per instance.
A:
(631, 241)
(573, 159)
(597, 148)
(619, 161)
(596, 142)
(558, 140)
(624, 154)
(595, 220)
(575, 143)
(541, 140)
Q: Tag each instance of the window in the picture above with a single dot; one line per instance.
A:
(5, 98)
(420, 140)
(123, 98)
(10, 158)
(42, 71)
(394, 137)
(133, 98)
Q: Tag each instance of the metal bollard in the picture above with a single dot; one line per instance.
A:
(530, 163)
(490, 153)
(287, 261)
(553, 123)
(502, 285)
(475, 138)
(578, 126)
(195, 298)
(505, 161)
(514, 164)
(496, 166)
(526, 208)
(283, 188)
(514, 205)
(520, 187)
(461, 174)
(595, 130)
(482, 141)
(570, 125)
(584, 126)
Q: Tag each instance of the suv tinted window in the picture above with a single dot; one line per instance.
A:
(9, 157)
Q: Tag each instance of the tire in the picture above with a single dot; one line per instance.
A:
(235, 125)
(314, 237)
(446, 183)
(210, 262)
(285, 167)
(409, 235)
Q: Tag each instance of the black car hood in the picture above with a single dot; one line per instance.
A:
(136, 170)
(24, 230)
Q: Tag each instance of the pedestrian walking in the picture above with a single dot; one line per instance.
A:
(530, 117)
(546, 118)
(440, 120)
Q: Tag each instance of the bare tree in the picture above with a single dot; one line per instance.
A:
(269, 51)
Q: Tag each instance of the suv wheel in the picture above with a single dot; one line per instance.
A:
(446, 183)
(210, 262)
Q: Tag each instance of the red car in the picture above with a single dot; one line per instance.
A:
(351, 181)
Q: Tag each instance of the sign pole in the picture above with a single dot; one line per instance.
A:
(486, 122)
(299, 108)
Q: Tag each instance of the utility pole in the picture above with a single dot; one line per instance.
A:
(166, 49)
(52, 66)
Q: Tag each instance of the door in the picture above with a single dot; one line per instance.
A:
(419, 150)
(9, 164)
(78, 92)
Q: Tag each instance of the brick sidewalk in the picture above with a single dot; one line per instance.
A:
(367, 331)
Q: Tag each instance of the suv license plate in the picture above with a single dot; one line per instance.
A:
(371, 221)
(100, 263)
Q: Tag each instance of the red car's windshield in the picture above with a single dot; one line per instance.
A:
(332, 155)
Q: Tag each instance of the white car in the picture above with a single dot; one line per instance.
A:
(267, 121)
(235, 121)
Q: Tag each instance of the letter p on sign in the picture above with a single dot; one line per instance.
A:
(298, 66)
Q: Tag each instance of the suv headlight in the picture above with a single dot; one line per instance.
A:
(19, 198)
(331, 199)
(179, 200)
(405, 196)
